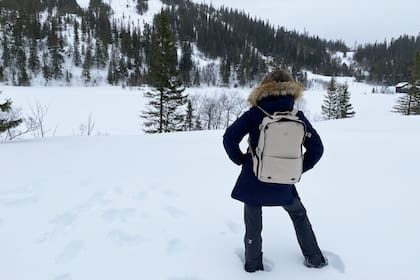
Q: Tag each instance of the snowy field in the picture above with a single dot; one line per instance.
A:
(134, 206)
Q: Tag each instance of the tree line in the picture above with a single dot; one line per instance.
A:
(388, 62)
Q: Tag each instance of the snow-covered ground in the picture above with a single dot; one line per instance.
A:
(158, 206)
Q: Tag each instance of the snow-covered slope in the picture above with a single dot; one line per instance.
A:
(158, 206)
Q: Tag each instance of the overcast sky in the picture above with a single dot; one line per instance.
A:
(353, 21)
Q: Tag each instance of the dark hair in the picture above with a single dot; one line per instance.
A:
(277, 76)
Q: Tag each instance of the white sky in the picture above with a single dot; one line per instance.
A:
(360, 21)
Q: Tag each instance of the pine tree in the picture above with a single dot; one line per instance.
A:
(225, 66)
(166, 98)
(100, 56)
(33, 63)
(186, 63)
(7, 121)
(23, 78)
(198, 125)
(189, 117)
(345, 109)
(46, 70)
(87, 64)
(77, 60)
(329, 109)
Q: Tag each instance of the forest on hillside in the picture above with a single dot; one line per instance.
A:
(50, 41)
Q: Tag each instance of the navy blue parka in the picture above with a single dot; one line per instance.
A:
(271, 97)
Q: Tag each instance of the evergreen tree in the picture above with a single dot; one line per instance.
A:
(186, 63)
(7, 121)
(46, 71)
(406, 104)
(122, 71)
(329, 109)
(166, 98)
(100, 56)
(1, 74)
(345, 109)
(23, 78)
(77, 60)
(87, 65)
(6, 50)
(225, 68)
(189, 118)
(198, 125)
(33, 63)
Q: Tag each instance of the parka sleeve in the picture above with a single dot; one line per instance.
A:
(233, 137)
(313, 145)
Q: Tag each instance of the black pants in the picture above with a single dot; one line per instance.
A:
(253, 227)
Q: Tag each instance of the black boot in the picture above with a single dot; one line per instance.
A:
(317, 261)
(255, 266)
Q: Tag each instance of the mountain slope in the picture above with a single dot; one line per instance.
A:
(56, 42)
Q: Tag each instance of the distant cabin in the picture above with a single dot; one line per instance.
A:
(402, 87)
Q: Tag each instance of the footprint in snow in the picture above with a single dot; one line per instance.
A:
(19, 200)
(121, 238)
(18, 197)
(171, 193)
(118, 215)
(61, 224)
(141, 196)
(174, 212)
(97, 198)
(175, 246)
(70, 252)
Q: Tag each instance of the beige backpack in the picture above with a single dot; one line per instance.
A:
(278, 157)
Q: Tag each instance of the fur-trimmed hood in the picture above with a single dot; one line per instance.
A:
(294, 89)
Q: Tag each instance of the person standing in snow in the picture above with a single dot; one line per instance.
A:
(276, 93)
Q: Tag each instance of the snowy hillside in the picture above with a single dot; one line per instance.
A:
(158, 206)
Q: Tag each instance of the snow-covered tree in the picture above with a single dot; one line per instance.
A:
(345, 108)
(337, 102)
(329, 109)
(8, 119)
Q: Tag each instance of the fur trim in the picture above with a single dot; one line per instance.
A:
(294, 89)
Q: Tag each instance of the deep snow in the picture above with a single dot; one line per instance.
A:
(159, 207)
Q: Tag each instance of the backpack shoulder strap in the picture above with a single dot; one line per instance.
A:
(265, 112)
(290, 113)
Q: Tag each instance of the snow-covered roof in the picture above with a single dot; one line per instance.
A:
(402, 84)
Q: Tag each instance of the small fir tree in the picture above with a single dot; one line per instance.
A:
(345, 108)
(329, 109)
(189, 117)
(7, 121)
